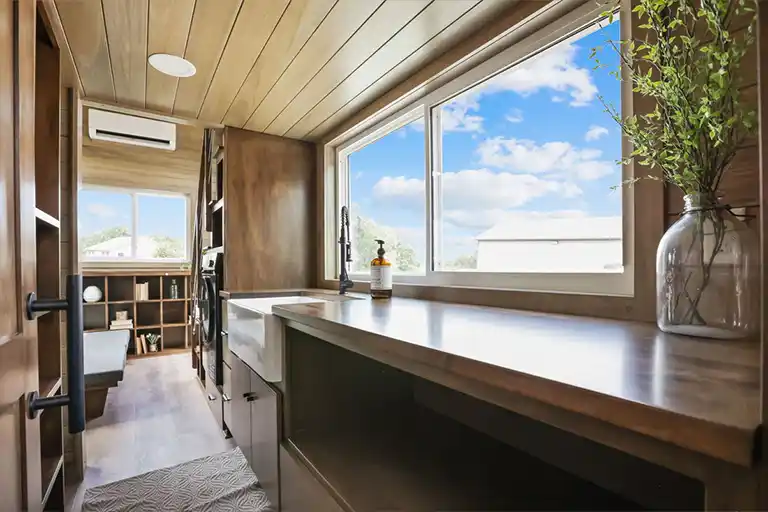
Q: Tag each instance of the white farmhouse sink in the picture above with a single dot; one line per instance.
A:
(255, 335)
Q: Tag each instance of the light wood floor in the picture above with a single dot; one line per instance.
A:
(156, 417)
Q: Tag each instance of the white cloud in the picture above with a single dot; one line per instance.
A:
(557, 99)
(457, 117)
(101, 210)
(473, 198)
(554, 69)
(595, 132)
(557, 158)
(515, 116)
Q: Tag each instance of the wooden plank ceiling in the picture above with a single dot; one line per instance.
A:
(287, 67)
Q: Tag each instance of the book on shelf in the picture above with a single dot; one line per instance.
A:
(121, 324)
(141, 291)
(138, 347)
(143, 343)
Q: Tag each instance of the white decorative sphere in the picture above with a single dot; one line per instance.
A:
(92, 294)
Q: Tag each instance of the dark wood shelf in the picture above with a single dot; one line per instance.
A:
(150, 315)
(218, 205)
(165, 352)
(46, 220)
(424, 464)
(50, 467)
(49, 387)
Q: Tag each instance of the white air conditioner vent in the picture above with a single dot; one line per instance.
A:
(139, 131)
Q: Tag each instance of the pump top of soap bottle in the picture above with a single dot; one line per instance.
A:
(381, 274)
(381, 250)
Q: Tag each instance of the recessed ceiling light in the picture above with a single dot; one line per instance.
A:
(172, 65)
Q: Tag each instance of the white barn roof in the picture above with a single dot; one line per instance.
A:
(563, 228)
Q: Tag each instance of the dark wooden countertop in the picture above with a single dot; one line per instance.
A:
(701, 395)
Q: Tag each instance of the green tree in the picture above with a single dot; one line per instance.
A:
(103, 236)
(464, 262)
(365, 232)
(167, 247)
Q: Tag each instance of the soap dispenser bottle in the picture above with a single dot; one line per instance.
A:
(381, 275)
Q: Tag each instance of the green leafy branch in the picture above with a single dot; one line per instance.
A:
(688, 62)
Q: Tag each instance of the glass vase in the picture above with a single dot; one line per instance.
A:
(707, 273)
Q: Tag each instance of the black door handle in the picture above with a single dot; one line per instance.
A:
(75, 397)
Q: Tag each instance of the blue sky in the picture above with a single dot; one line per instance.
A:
(158, 215)
(533, 141)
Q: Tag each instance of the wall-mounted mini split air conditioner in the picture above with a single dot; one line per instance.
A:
(139, 131)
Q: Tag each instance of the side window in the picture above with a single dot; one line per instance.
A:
(387, 200)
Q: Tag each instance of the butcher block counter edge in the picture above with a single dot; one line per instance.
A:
(699, 398)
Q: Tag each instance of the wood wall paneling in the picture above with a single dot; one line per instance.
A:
(87, 37)
(388, 20)
(122, 165)
(269, 205)
(344, 20)
(762, 223)
(126, 25)
(421, 30)
(169, 23)
(298, 23)
(211, 26)
(254, 26)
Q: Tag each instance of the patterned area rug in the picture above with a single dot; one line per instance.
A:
(219, 483)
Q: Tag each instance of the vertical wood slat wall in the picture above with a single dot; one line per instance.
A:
(741, 182)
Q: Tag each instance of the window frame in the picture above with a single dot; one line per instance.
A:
(572, 24)
(134, 194)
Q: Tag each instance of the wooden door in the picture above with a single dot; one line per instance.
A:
(20, 476)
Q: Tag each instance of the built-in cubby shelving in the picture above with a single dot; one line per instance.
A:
(163, 312)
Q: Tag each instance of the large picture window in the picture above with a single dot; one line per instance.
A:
(509, 176)
(527, 170)
(119, 225)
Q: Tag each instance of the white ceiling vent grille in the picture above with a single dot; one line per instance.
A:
(139, 131)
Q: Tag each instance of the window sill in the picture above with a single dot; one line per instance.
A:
(91, 266)
(581, 304)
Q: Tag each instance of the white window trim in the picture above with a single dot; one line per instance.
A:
(603, 283)
(134, 193)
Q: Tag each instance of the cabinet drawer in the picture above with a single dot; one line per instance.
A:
(240, 407)
(299, 489)
(264, 435)
(213, 397)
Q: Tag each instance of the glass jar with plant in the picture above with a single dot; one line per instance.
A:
(688, 63)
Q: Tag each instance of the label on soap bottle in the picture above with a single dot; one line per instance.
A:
(381, 277)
